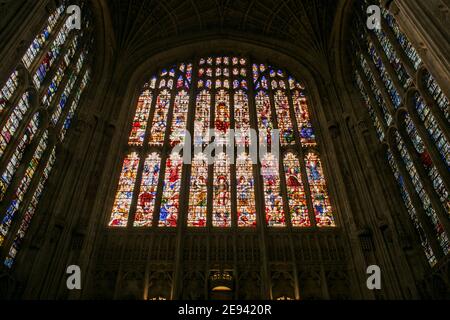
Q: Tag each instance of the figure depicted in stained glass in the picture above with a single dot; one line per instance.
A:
(272, 194)
(158, 129)
(298, 207)
(246, 207)
(147, 194)
(170, 203)
(198, 192)
(284, 118)
(222, 197)
(319, 192)
(139, 125)
(124, 195)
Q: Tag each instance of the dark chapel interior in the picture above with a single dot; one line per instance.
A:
(89, 117)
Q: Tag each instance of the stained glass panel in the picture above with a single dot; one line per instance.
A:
(298, 207)
(245, 189)
(139, 125)
(222, 197)
(198, 192)
(272, 193)
(170, 203)
(124, 195)
(159, 125)
(319, 192)
(147, 194)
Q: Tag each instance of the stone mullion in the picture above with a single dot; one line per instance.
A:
(430, 145)
(165, 152)
(233, 161)
(431, 103)
(261, 223)
(301, 153)
(282, 178)
(387, 64)
(17, 220)
(426, 182)
(380, 84)
(185, 186)
(398, 49)
(233, 182)
(373, 101)
(423, 218)
(58, 27)
(142, 151)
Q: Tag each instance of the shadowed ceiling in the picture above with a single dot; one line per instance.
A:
(303, 23)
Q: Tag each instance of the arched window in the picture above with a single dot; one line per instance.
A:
(37, 104)
(232, 187)
(410, 113)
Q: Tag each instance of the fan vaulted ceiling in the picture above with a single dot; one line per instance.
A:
(304, 23)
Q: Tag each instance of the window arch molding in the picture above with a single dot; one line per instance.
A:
(136, 91)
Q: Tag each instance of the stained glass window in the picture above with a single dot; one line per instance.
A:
(412, 211)
(23, 187)
(15, 159)
(432, 127)
(158, 129)
(13, 122)
(436, 93)
(56, 58)
(422, 128)
(8, 90)
(221, 187)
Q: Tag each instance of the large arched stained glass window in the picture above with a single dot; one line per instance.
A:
(410, 113)
(231, 187)
(36, 114)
